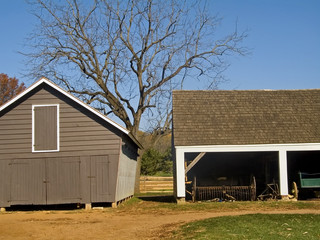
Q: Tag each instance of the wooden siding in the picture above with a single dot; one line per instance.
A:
(100, 177)
(63, 180)
(126, 173)
(84, 170)
(79, 134)
(26, 177)
(58, 180)
(5, 183)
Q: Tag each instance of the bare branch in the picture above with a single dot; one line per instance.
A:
(125, 57)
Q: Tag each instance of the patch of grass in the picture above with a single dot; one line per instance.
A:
(255, 226)
(165, 204)
(163, 174)
(241, 205)
(132, 203)
(154, 194)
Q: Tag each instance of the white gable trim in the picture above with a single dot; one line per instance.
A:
(69, 95)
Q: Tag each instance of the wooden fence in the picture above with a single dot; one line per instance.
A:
(151, 184)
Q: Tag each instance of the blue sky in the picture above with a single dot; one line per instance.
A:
(284, 38)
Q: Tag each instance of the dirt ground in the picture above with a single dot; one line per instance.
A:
(138, 221)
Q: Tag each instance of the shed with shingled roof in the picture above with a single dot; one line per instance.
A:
(232, 135)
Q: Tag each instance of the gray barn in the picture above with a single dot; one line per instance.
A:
(55, 149)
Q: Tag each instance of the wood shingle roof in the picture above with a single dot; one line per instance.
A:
(246, 117)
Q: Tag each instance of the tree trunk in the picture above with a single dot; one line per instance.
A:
(134, 132)
(138, 170)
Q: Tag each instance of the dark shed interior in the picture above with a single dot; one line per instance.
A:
(234, 169)
(238, 168)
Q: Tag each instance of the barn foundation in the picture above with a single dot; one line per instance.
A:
(181, 200)
(88, 206)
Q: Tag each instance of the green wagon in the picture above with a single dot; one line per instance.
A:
(309, 181)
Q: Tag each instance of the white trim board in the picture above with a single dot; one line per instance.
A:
(251, 148)
(69, 95)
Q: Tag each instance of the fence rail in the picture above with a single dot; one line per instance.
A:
(151, 184)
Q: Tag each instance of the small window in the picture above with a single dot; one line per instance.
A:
(45, 128)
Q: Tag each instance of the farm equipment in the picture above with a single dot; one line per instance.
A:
(310, 181)
(271, 192)
(224, 193)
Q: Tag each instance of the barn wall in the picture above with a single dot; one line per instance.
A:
(126, 173)
(79, 134)
(105, 177)
(4, 183)
(82, 137)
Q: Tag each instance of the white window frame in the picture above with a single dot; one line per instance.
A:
(58, 128)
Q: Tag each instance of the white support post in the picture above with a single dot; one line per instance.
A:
(180, 171)
(283, 173)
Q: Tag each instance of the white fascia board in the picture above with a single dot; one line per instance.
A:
(251, 148)
(20, 95)
(69, 95)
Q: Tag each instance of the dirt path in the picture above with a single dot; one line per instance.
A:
(104, 224)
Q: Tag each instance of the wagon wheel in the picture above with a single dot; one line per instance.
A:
(295, 190)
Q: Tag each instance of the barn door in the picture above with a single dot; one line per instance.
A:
(63, 180)
(99, 178)
(26, 182)
(5, 183)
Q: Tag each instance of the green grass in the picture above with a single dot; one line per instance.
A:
(255, 226)
(169, 204)
(163, 174)
(153, 194)
(165, 204)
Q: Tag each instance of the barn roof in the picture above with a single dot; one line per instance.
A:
(246, 117)
(45, 81)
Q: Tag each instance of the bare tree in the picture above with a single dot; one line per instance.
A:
(125, 57)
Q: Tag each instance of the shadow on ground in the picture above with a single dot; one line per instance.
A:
(57, 207)
(158, 198)
(61, 207)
